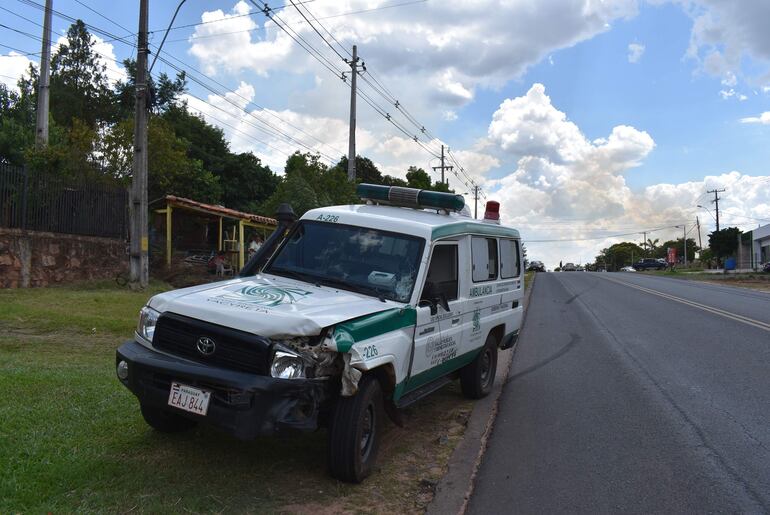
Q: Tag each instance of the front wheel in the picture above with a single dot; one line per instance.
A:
(166, 421)
(355, 431)
(477, 377)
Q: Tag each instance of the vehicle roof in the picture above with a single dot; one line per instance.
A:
(417, 222)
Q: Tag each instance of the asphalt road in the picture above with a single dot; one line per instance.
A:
(631, 393)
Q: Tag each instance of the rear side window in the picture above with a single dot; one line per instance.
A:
(509, 259)
(484, 257)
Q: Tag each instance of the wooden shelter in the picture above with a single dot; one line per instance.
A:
(231, 242)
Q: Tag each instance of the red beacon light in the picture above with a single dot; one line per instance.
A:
(492, 213)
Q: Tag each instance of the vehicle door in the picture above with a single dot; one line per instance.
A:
(438, 335)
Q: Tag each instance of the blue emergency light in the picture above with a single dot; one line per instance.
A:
(410, 197)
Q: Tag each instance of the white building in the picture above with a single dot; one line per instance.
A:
(760, 245)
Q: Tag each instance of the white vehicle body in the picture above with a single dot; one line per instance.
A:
(418, 346)
(353, 310)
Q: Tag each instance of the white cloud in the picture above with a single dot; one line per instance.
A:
(725, 32)
(635, 52)
(763, 118)
(13, 66)
(450, 115)
(441, 52)
(566, 187)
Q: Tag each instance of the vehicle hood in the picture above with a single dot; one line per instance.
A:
(269, 306)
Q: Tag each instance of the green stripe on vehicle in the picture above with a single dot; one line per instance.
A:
(434, 373)
(369, 326)
(459, 228)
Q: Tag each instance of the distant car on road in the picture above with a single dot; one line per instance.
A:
(536, 266)
(628, 269)
(650, 264)
(580, 269)
(569, 267)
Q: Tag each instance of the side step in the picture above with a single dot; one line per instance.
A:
(423, 391)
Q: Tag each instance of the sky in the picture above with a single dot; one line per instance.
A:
(591, 122)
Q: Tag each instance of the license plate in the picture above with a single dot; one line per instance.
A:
(189, 399)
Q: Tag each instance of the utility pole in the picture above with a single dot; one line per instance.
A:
(139, 271)
(475, 201)
(684, 243)
(700, 242)
(353, 63)
(44, 82)
(644, 242)
(716, 193)
(442, 167)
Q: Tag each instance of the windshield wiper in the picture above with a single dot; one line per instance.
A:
(306, 278)
(346, 285)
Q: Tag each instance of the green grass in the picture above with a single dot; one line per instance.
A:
(72, 438)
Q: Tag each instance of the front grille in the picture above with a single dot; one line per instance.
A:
(235, 350)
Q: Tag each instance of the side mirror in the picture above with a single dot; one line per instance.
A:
(425, 303)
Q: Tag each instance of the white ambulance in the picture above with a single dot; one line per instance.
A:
(342, 316)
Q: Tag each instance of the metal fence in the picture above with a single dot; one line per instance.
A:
(38, 202)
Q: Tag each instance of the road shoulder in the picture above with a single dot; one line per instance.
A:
(455, 488)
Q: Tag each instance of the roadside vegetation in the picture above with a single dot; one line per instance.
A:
(72, 438)
(753, 280)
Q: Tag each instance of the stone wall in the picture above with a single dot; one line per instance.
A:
(32, 258)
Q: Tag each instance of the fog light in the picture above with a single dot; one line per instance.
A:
(123, 370)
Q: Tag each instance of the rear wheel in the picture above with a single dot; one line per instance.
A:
(166, 421)
(355, 432)
(477, 377)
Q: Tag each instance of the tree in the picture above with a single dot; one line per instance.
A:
(652, 246)
(724, 243)
(246, 183)
(418, 178)
(170, 170)
(366, 170)
(164, 93)
(619, 255)
(79, 86)
(17, 120)
(692, 248)
(308, 184)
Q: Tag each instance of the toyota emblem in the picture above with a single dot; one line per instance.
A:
(206, 346)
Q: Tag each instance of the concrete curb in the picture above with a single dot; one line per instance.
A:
(454, 489)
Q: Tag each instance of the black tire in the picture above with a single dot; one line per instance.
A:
(166, 421)
(478, 376)
(355, 432)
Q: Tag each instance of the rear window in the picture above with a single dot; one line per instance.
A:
(509, 259)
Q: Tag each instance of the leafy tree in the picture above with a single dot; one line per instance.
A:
(366, 170)
(389, 180)
(164, 93)
(692, 248)
(170, 170)
(79, 86)
(724, 243)
(307, 184)
(418, 178)
(17, 121)
(246, 183)
(619, 255)
(652, 246)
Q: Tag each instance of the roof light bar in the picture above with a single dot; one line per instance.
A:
(410, 197)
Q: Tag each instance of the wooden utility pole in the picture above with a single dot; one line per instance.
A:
(442, 167)
(44, 82)
(475, 201)
(700, 242)
(716, 193)
(139, 269)
(352, 137)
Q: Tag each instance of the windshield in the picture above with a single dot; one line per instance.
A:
(378, 263)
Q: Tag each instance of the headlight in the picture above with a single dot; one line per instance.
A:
(287, 365)
(148, 318)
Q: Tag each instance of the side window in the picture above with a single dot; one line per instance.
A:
(509, 259)
(442, 274)
(484, 257)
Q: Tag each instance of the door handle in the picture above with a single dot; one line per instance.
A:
(455, 321)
